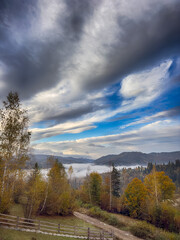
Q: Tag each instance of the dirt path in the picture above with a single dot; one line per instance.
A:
(117, 232)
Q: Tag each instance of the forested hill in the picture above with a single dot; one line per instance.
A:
(41, 159)
(123, 159)
(138, 158)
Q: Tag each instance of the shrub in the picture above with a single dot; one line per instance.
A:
(87, 205)
(95, 212)
(164, 216)
(104, 216)
(148, 232)
(177, 223)
(143, 231)
(112, 221)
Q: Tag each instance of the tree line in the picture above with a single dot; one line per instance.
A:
(149, 199)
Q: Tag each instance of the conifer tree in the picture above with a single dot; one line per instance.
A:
(115, 181)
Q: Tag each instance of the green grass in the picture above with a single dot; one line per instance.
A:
(8, 234)
(68, 220)
(17, 210)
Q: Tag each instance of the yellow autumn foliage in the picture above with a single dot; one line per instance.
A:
(135, 197)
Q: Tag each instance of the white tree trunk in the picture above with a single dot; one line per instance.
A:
(3, 179)
(45, 199)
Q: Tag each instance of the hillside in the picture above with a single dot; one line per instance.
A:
(138, 158)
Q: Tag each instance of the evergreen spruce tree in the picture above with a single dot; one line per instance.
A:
(115, 181)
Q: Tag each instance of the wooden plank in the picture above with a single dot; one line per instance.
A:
(12, 224)
(49, 223)
(67, 228)
(71, 232)
(44, 225)
(28, 223)
(2, 214)
(6, 220)
(48, 230)
(27, 227)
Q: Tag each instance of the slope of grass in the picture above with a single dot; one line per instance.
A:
(138, 228)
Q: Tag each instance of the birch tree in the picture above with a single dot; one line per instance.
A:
(14, 142)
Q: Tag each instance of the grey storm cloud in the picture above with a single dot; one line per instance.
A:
(32, 64)
(74, 113)
(173, 112)
(37, 64)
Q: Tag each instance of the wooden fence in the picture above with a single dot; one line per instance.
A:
(33, 225)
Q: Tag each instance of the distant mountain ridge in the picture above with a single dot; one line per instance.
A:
(41, 159)
(138, 158)
(122, 159)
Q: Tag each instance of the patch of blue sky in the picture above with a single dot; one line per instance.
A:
(175, 66)
(168, 100)
(113, 97)
(43, 124)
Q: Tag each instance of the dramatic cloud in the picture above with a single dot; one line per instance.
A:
(88, 44)
(138, 90)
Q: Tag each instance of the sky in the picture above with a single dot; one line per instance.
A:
(97, 77)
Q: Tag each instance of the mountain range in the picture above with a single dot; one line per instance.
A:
(122, 159)
(138, 158)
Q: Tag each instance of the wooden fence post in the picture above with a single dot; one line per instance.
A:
(39, 225)
(102, 234)
(17, 222)
(88, 233)
(58, 227)
(74, 230)
(112, 234)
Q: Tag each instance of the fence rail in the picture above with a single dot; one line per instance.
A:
(19, 223)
